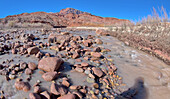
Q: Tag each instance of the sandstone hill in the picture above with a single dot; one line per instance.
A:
(66, 17)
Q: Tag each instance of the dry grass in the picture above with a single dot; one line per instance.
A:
(151, 34)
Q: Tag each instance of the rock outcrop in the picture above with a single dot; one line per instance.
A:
(66, 17)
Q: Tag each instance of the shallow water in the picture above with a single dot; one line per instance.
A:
(131, 64)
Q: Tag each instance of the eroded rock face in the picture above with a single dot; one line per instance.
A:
(66, 17)
(50, 64)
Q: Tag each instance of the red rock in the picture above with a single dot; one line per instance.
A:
(84, 64)
(20, 85)
(33, 50)
(65, 83)
(49, 76)
(34, 96)
(86, 58)
(37, 89)
(99, 41)
(14, 51)
(28, 71)
(50, 64)
(75, 55)
(102, 32)
(32, 66)
(23, 65)
(78, 94)
(78, 69)
(68, 96)
(45, 94)
(78, 60)
(73, 87)
(97, 49)
(57, 89)
(96, 54)
(97, 72)
(87, 43)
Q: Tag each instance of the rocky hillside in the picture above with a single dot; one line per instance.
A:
(66, 17)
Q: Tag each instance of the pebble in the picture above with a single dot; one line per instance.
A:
(87, 71)
(12, 76)
(79, 69)
(90, 80)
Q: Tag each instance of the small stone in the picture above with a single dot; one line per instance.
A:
(45, 94)
(28, 71)
(90, 80)
(91, 76)
(34, 96)
(23, 65)
(84, 64)
(86, 58)
(97, 92)
(32, 66)
(14, 51)
(97, 49)
(11, 76)
(95, 85)
(68, 96)
(33, 50)
(97, 72)
(37, 89)
(79, 69)
(78, 94)
(84, 91)
(65, 83)
(73, 87)
(87, 71)
(75, 55)
(96, 54)
(99, 41)
(57, 89)
(49, 76)
(78, 60)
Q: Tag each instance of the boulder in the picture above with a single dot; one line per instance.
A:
(50, 64)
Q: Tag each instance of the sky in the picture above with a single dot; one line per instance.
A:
(123, 9)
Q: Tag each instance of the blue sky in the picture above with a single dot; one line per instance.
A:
(123, 9)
